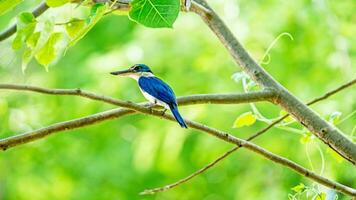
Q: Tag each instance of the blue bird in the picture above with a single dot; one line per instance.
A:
(153, 89)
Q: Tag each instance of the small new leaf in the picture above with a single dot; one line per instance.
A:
(26, 58)
(26, 24)
(94, 9)
(245, 119)
(36, 41)
(298, 188)
(97, 12)
(25, 18)
(49, 51)
(74, 27)
(155, 13)
(56, 3)
(22, 35)
(29, 50)
(7, 5)
(33, 39)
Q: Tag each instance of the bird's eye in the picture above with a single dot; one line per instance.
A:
(136, 68)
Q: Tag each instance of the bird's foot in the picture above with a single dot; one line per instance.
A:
(164, 111)
(150, 107)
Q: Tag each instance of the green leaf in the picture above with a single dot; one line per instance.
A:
(245, 119)
(33, 39)
(22, 35)
(26, 58)
(46, 31)
(320, 196)
(17, 42)
(298, 188)
(95, 8)
(7, 5)
(25, 18)
(74, 27)
(97, 12)
(334, 118)
(26, 24)
(155, 13)
(36, 41)
(50, 50)
(29, 51)
(56, 3)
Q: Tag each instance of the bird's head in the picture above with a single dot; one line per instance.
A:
(135, 71)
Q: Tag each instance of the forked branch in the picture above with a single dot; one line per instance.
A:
(116, 113)
(257, 134)
(266, 95)
(329, 134)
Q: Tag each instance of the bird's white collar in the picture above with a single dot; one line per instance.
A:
(136, 76)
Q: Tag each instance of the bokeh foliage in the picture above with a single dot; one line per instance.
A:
(118, 159)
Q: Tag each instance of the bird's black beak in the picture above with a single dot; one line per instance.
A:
(122, 72)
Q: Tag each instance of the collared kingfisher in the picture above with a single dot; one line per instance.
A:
(153, 89)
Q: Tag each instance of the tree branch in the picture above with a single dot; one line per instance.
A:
(265, 95)
(258, 133)
(301, 112)
(12, 29)
(115, 113)
(311, 120)
(187, 100)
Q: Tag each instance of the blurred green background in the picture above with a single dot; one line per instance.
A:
(117, 159)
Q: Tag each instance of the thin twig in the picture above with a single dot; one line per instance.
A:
(327, 95)
(258, 133)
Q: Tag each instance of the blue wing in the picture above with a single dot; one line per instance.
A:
(158, 89)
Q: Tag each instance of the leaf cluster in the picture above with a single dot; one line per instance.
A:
(45, 41)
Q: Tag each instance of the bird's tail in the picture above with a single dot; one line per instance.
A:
(178, 117)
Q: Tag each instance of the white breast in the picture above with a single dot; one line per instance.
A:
(154, 100)
(149, 97)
